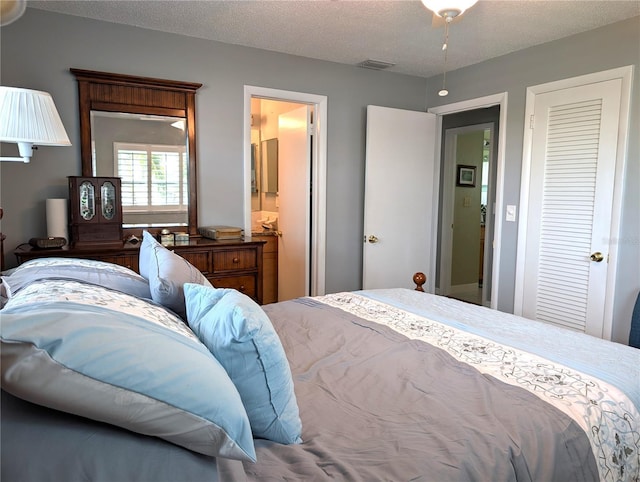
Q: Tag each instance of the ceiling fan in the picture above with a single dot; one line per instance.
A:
(444, 13)
(447, 11)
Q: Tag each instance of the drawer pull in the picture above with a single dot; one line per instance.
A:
(236, 260)
(242, 288)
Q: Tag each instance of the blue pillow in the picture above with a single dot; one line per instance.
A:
(122, 360)
(240, 335)
(167, 272)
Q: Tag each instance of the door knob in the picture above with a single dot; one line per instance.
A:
(597, 257)
(372, 239)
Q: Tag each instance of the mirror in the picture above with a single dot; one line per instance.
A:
(149, 154)
(142, 130)
(270, 166)
(254, 171)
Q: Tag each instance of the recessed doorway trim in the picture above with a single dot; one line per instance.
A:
(478, 103)
(319, 173)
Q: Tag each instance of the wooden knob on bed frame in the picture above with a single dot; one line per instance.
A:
(419, 279)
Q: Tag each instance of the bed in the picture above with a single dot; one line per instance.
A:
(102, 379)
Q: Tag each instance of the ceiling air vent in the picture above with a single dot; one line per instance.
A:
(375, 64)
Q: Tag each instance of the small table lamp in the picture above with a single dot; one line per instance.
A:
(29, 118)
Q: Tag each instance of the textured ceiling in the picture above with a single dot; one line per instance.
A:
(349, 32)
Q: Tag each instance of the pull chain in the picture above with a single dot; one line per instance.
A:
(445, 47)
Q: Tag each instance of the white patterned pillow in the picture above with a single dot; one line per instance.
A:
(100, 273)
(122, 360)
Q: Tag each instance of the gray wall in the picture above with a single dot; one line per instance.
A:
(38, 50)
(605, 48)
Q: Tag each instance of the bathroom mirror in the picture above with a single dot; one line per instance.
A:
(142, 130)
(269, 158)
(255, 171)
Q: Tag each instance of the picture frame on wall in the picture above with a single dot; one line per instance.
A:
(466, 176)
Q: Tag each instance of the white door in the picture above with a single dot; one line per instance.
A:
(566, 240)
(399, 192)
(294, 150)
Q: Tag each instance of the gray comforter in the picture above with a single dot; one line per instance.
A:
(375, 406)
(378, 406)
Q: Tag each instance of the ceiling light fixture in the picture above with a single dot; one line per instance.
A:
(448, 10)
(11, 10)
(179, 124)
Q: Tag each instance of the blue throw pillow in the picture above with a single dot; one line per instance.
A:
(240, 335)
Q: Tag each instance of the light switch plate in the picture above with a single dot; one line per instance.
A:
(511, 213)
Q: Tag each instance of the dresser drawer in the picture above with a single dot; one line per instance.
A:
(244, 284)
(130, 262)
(233, 260)
(199, 259)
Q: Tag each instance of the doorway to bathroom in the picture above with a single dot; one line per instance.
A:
(285, 185)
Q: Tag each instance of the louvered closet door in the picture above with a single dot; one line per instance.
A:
(570, 205)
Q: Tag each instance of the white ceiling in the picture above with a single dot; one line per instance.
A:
(349, 32)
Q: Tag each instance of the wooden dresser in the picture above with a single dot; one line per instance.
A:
(269, 267)
(227, 264)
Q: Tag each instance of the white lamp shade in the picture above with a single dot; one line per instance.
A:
(30, 116)
(440, 6)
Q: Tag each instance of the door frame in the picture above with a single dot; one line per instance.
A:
(318, 171)
(446, 235)
(626, 74)
(472, 104)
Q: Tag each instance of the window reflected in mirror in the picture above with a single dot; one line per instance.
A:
(149, 154)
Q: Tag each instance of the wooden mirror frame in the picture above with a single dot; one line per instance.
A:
(103, 91)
